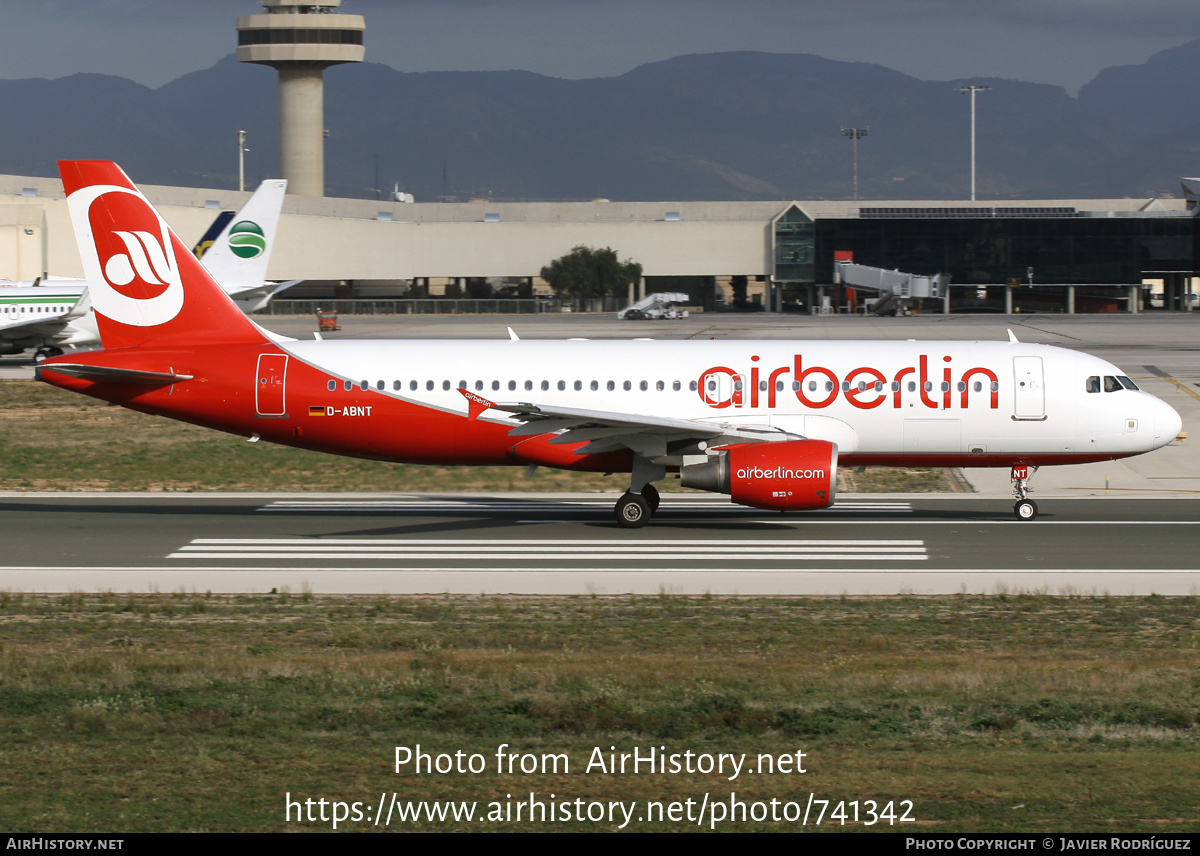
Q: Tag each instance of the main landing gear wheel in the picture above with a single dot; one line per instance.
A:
(632, 510)
(650, 494)
(1025, 509)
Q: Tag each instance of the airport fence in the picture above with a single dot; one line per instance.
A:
(443, 306)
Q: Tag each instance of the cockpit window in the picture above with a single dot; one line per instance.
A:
(1111, 384)
(1126, 382)
(1093, 383)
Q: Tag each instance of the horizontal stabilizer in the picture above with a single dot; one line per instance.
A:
(109, 374)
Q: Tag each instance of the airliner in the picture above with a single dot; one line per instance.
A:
(53, 316)
(767, 422)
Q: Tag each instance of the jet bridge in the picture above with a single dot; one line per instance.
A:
(896, 290)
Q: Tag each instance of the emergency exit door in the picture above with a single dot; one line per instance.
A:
(269, 399)
(1030, 388)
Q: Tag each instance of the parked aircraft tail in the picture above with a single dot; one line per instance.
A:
(240, 253)
(210, 235)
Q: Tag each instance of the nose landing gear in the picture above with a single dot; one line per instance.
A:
(1025, 509)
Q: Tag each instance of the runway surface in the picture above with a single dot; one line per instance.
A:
(547, 544)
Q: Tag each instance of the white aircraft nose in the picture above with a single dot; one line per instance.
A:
(1167, 423)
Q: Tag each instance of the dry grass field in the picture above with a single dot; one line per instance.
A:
(189, 711)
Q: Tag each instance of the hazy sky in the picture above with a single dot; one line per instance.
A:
(1064, 42)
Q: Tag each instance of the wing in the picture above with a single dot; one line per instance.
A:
(44, 326)
(606, 431)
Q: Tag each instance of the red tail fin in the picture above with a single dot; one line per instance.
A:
(145, 285)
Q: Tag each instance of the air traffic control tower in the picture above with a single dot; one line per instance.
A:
(301, 40)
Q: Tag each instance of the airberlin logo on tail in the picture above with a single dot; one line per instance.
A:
(144, 259)
(129, 261)
(246, 239)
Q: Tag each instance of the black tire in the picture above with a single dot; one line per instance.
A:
(650, 494)
(632, 511)
(1026, 509)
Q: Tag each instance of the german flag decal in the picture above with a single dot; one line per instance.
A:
(316, 410)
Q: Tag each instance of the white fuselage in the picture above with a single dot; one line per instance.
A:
(988, 402)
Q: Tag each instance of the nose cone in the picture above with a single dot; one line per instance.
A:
(1167, 423)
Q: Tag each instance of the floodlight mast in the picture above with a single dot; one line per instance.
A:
(973, 88)
(854, 134)
(242, 160)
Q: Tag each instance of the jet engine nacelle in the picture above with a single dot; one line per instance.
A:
(794, 475)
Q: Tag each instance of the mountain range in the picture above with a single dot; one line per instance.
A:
(709, 126)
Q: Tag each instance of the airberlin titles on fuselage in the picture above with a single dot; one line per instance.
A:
(864, 387)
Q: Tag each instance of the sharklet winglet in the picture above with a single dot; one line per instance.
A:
(476, 404)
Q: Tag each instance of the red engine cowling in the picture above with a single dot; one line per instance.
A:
(795, 475)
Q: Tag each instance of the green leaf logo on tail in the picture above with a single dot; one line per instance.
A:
(246, 240)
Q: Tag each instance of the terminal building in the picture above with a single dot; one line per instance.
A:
(1097, 255)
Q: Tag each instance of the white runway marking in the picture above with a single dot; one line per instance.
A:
(549, 550)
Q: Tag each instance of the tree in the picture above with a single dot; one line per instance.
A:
(588, 272)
